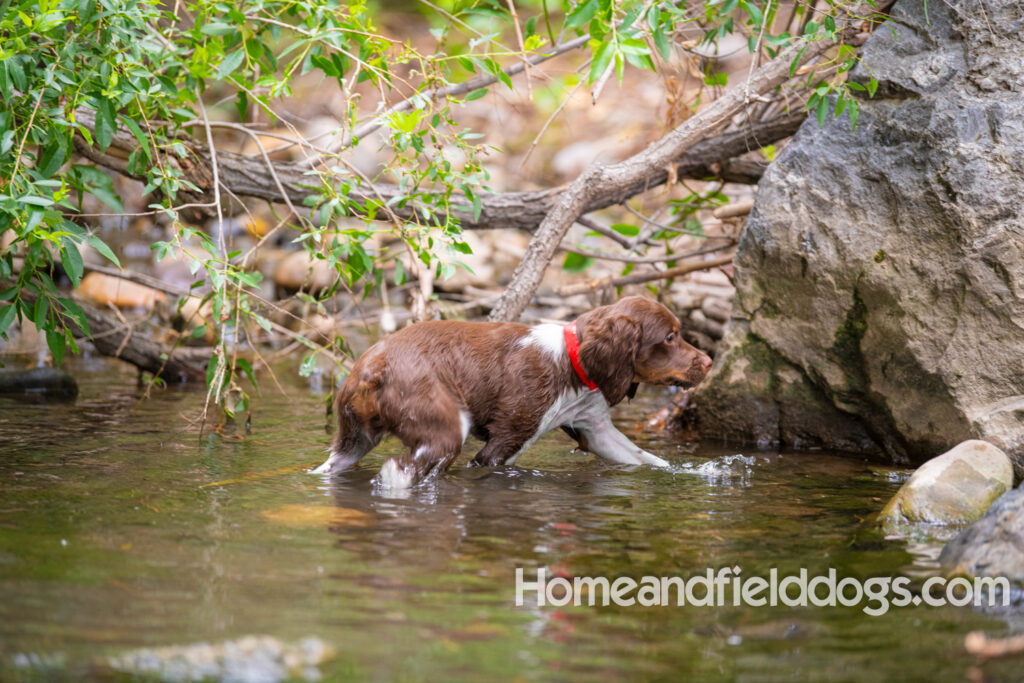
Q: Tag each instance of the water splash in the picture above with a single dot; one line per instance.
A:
(729, 470)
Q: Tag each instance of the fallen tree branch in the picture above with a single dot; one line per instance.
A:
(640, 278)
(250, 176)
(600, 182)
(111, 338)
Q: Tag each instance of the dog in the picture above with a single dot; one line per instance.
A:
(432, 384)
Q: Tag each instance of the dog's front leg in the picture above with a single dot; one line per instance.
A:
(603, 439)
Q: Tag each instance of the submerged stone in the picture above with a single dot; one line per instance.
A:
(38, 384)
(262, 659)
(992, 546)
(956, 487)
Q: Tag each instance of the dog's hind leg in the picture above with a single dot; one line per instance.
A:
(354, 440)
(434, 433)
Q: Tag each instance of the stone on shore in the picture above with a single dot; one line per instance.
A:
(957, 487)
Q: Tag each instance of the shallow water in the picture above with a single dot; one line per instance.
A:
(121, 528)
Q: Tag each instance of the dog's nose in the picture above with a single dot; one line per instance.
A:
(705, 362)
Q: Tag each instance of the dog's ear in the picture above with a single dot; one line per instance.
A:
(609, 347)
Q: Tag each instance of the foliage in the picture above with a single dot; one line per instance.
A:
(75, 74)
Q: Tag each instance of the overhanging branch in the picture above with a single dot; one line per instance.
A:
(246, 176)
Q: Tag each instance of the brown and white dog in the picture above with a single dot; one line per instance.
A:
(434, 383)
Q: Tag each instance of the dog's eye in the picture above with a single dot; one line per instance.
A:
(670, 337)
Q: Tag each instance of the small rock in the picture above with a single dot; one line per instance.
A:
(956, 487)
(992, 546)
(262, 659)
(105, 289)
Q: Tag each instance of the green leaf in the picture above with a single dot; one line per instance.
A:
(661, 42)
(97, 183)
(211, 369)
(57, 342)
(101, 246)
(40, 311)
(602, 58)
(476, 94)
(6, 318)
(581, 14)
(136, 131)
(106, 124)
(52, 158)
(308, 364)
(626, 229)
(230, 63)
(576, 263)
(755, 13)
(246, 367)
(75, 312)
(822, 111)
(796, 61)
(72, 260)
(720, 79)
(218, 28)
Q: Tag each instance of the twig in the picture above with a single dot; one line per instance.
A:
(522, 46)
(453, 91)
(659, 258)
(639, 278)
(591, 224)
(547, 123)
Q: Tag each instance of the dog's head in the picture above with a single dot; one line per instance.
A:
(636, 340)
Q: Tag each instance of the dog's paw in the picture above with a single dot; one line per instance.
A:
(394, 476)
(653, 460)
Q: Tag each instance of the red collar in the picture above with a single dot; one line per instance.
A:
(572, 345)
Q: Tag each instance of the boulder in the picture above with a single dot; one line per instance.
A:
(992, 546)
(880, 276)
(956, 487)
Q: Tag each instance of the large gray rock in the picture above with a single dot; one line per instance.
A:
(880, 277)
(955, 488)
(992, 546)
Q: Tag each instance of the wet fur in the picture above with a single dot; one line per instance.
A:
(507, 384)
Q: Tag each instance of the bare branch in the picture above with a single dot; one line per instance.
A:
(640, 278)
